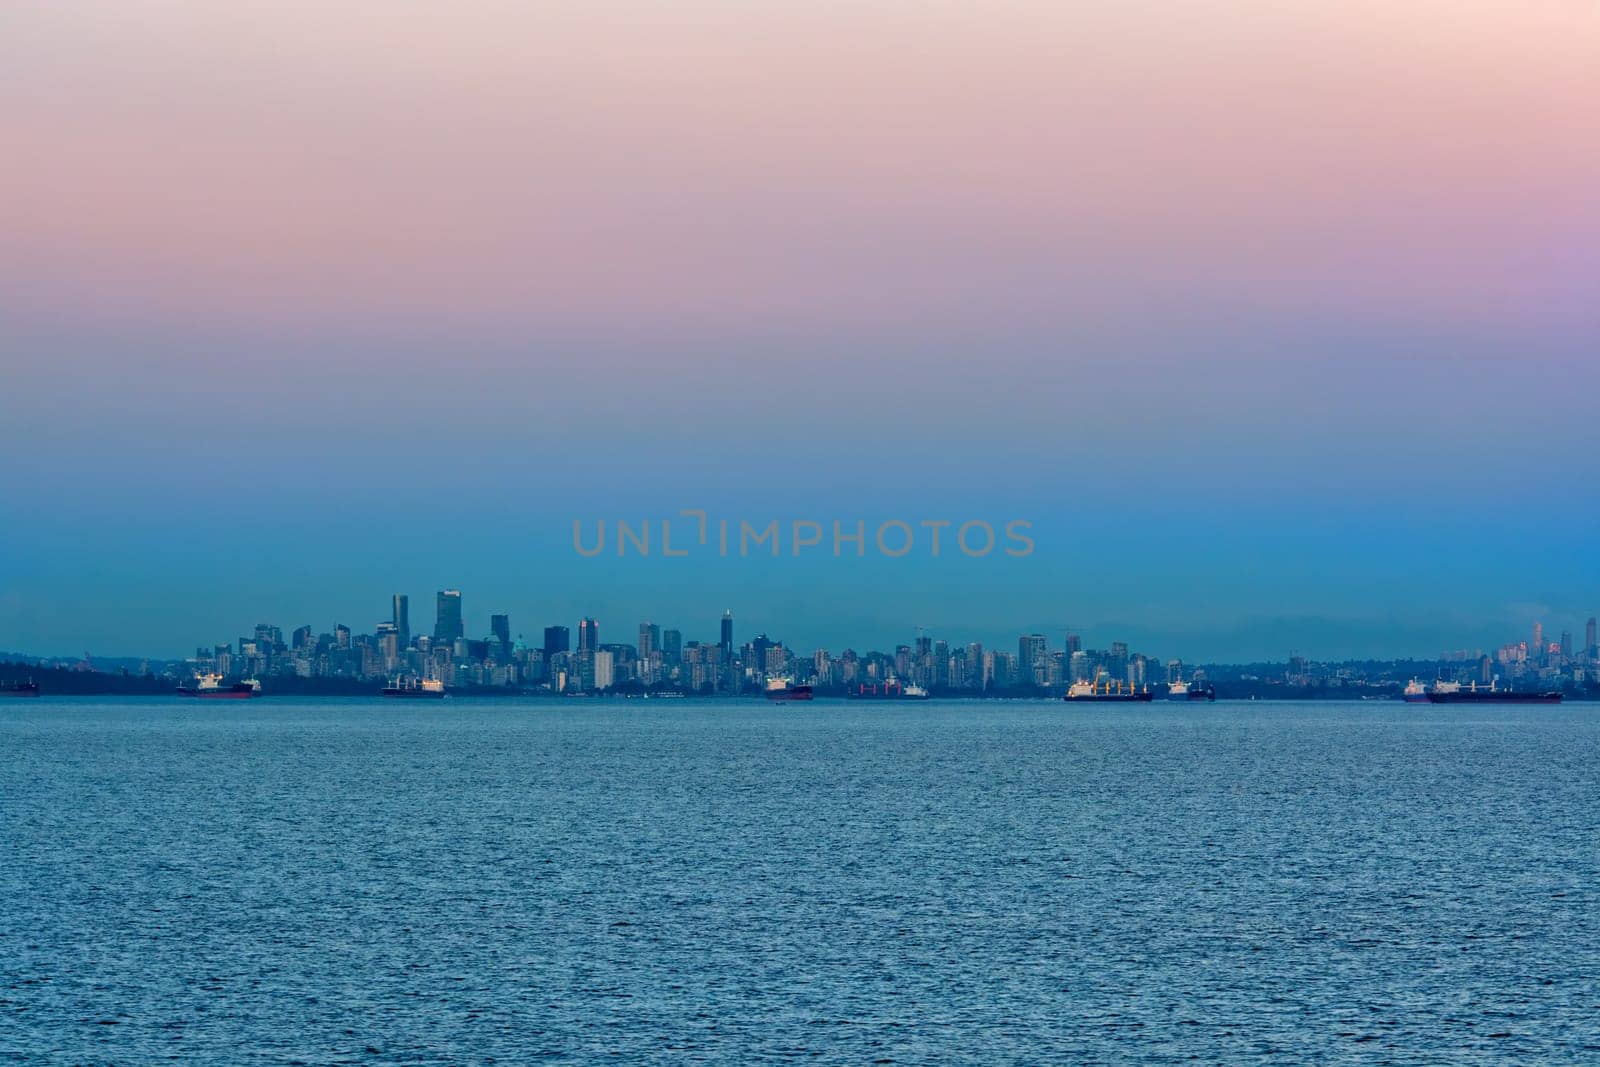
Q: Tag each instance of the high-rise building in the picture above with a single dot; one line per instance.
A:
(604, 670)
(1591, 643)
(672, 646)
(1030, 658)
(588, 635)
(557, 639)
(447, 617)
(401, 618)
(1117, 660)
(388, 645)
(758, 651)
(1538, 642)
(500, 626)
(727, 633)
(649, 639)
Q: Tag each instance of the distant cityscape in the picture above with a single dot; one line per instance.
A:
(661, 658)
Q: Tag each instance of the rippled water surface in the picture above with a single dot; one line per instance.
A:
(329, 882)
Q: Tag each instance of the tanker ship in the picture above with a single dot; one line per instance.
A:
(1182, 691)
(416, 689)
(1453, 693)
(783, 690)
(889, 690)
(1107, 692)
(210, 687)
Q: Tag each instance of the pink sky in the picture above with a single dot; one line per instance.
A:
(897, 165)
(1247, 262)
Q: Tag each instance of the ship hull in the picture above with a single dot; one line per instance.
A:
(1468, 697)
(20, 691)
(222, 694)
(790, 695)
(413, 694)
(1112, 698)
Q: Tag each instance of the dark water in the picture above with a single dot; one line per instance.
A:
(286, 882)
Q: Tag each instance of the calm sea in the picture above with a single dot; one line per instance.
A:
(472, 881)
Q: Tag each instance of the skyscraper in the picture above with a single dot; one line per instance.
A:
(1590, 643)
(588, 635)
(388, 644)
(447, 616)
(500, 626)
(1030, 656)
(1538, 643)
(649, 639)
(672, 646)
(556, 639)
(401, 618)
(727, 633)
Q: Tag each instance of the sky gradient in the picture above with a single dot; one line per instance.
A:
(1278, 321)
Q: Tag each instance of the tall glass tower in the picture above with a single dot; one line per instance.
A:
(402, 620)
(447, 618)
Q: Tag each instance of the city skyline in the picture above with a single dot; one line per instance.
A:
(681, 657)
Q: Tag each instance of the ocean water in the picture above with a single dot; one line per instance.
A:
(472, 882)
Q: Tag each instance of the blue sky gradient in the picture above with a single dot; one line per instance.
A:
(1278, 323)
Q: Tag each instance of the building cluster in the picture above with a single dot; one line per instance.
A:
(1538, 661)
(563, 662)
(661, 658)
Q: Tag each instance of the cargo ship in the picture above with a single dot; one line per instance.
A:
(782, 690)
(1414, 693)
(890, 690)
(1453, 693)
(415, 689)
(1182, 691)
(210, 687)
(1107, 692)
(30, 688)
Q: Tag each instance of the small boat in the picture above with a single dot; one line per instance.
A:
(210, 687)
